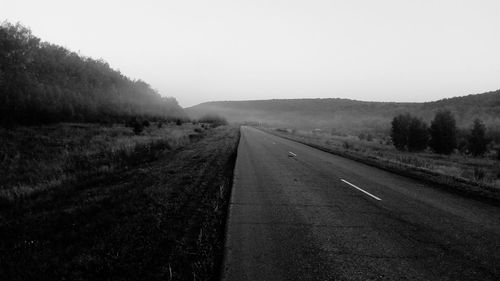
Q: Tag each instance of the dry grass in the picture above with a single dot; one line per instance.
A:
(35, 159)
(157, 216)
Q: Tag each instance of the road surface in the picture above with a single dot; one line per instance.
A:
(297, 213)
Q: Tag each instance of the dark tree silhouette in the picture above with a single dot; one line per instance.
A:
(418, 135)
(409, 132)
(477, 142)
(443, 133)
(399, 130)
(214, 120)
(42, 82)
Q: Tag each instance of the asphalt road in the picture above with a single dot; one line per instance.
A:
(298, 213)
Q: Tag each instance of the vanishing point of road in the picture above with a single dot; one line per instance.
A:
(298, 213)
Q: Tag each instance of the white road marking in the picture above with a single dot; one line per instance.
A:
(292, 154)
(373, 196)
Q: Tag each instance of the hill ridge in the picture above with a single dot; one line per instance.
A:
(348, 115)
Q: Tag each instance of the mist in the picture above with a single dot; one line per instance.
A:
(202, 51)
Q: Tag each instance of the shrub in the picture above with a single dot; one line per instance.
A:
(214, 120)
(145, 123)
(418, 135)
(136, 125)
(443, 133)
(138, 128)
(409, 132)
(178, 122)
(399, 130)
(476, 140)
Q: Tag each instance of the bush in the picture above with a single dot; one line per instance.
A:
(477, 143)
(136, 125)
(443, 133)
(145, 123)
(409, 132)
(399, 130)
(214, 120)
(138, 128)
(418, 135)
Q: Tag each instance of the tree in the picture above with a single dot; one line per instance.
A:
(476, 141)
(42, 83)
(409, 132)
(399, 130)
(418, 135)
(443, 133)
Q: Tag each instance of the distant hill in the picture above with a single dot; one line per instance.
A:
(351, 116)
(42, 83)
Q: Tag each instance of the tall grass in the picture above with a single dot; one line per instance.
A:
(35, 159)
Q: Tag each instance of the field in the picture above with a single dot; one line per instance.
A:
(476, 176)
(37, 159)
(87, 202)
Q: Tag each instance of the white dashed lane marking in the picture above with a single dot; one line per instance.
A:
(365, 192)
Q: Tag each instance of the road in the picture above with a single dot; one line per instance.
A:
(298, 213)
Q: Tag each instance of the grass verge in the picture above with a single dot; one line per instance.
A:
(157, 218)
(35, 159)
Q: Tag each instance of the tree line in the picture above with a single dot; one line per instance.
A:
(43, 83)
(442, 136)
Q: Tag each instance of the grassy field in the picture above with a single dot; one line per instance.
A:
(85, 202)
(477, 176)
(36, 159)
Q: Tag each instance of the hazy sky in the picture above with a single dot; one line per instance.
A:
(210, 50)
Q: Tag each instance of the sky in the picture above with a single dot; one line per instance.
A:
(198, 51)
